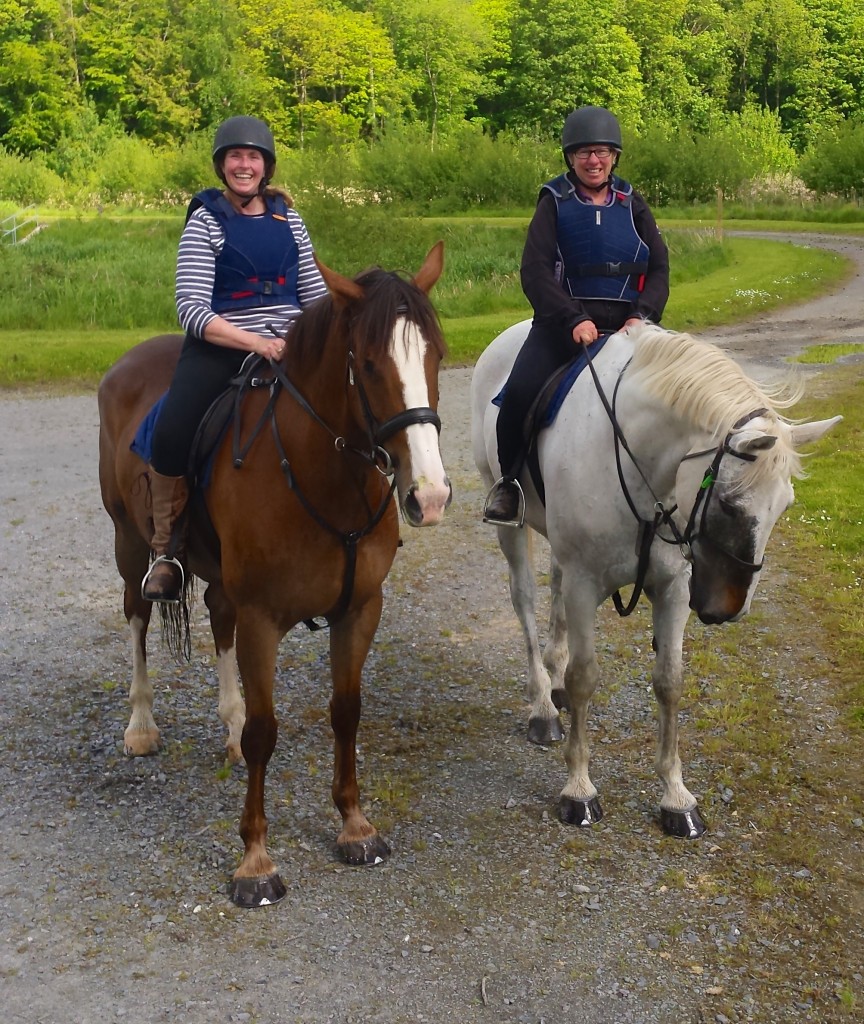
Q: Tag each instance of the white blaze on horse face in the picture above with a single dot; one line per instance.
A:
(429, 486)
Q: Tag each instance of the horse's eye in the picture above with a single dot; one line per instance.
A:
(729, 508)
(368, 367)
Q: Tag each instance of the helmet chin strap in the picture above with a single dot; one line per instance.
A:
(245, 200)
(595, 188)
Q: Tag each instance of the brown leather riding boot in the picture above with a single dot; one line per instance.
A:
(164, 581)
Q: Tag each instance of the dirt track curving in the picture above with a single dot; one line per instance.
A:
(114, 871)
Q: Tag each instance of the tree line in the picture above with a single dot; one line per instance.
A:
(75, 74)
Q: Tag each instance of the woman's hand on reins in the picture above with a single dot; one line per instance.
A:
(585, 332)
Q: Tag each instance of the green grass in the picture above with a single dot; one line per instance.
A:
(99, 273)
(87, 289)
(821, 354)
(749, 276)
(762, 275)
(71, 360)
(828, 527)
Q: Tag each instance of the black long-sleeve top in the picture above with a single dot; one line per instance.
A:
(550, 300)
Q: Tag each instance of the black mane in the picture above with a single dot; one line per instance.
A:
(387, 295)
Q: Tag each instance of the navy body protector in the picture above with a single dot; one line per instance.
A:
(258, 264)
(602, 255)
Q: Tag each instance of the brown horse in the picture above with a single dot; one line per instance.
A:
(305, 521)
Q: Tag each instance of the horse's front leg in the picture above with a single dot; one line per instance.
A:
(232, 710)
(256, 882)
(350, 639)
(679, 813)
(544, 723)
(579, 803)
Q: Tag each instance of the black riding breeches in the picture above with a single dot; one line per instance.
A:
(203, 372)
(543, 352)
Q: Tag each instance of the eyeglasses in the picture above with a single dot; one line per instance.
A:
(601, 152)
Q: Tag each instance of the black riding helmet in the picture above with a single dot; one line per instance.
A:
(247, 133)
(591, 126)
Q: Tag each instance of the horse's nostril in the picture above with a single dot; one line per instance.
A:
(412, 507)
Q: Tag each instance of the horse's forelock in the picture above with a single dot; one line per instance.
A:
(386, 297)
(389, 295)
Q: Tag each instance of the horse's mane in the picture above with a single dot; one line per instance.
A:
(387, 296)
(708, 389)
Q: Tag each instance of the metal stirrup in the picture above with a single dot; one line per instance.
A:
(169, 561)
(519, 521)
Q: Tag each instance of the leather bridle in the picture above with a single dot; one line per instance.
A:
(649, 528)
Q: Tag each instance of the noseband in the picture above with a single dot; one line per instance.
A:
(379, 433)
(706, 491)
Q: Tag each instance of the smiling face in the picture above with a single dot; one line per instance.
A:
(592, 164)
(243, 168)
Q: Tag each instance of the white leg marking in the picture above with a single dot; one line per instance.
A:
(141, 736)
(232, 709)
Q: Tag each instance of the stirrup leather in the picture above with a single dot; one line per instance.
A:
(519, 520)
(170, 561)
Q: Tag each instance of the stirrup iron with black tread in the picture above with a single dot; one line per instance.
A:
(519, 519)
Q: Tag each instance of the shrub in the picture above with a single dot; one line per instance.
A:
(25, 180)
(834, 164)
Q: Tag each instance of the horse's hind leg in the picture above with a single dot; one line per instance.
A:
(141, 736)
(555, 653)
(232, 710)
(679, 813)
(544, 724)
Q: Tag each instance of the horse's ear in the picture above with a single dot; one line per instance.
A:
(343, 289)
(807, 433)
(429, 273)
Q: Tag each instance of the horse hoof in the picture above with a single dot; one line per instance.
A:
(560, 699)
(251, 893)
(682, 824)
(365, 853)
(140, 742)
(544, 731)
(582, 813)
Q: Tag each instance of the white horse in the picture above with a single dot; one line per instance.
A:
(686, 449)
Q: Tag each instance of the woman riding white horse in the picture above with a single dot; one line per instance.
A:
(687, 450)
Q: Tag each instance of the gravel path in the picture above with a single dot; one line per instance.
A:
(114, 870)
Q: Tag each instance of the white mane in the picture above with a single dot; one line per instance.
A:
(708, 389)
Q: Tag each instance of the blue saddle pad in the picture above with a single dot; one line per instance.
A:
(142, 443)
(578, 364)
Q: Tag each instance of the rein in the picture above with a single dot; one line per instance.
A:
(648, 528)
(377, 457)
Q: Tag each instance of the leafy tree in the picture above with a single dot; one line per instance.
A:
(564, 56)
(225, 77)
(36, 74)
(834, 164)
(314, 53)
(130, 61)
(683, 57)
(441, 47)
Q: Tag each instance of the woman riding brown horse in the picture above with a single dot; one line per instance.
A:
(303, 523)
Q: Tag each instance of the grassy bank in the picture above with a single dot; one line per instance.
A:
(85, 290)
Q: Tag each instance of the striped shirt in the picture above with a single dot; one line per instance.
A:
(201, 242)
